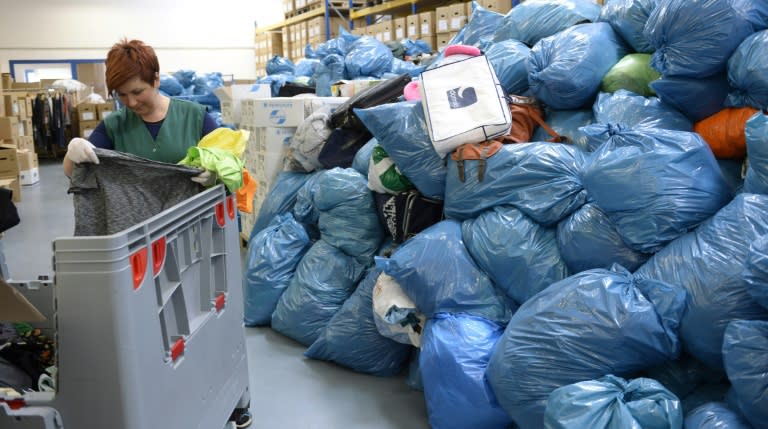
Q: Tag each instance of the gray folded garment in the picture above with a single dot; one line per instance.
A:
(124, 190)
(13, 377)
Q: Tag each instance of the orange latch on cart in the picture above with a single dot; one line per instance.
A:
(14, 404)
(231, 207)
(177, 349)
(138, 266)
(219, 210)
(220, 301)
(158, 255)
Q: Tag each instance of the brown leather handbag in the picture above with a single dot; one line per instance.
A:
(527, 114)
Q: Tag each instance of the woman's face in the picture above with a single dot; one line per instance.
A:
(137, 95)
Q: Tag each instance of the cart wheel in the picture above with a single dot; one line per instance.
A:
(241, 417)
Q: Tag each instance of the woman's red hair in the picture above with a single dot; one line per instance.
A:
(128, 59)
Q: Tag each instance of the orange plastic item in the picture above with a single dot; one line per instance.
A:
(246, 192)
(724, 132)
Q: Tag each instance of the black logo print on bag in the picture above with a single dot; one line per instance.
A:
(461, 97)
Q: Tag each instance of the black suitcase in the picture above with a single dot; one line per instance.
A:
(385, 92)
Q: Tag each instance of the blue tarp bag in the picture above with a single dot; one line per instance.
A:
(715, 415)
(655, 185)
(508, 61)
(335, 46)
(746, 73)
(694, 38)
(414, 372)
(567, 123)
(170, 85)
(636, 111)
(756, 271)
(304, 209)
(402, 67)
(186, 79)
(306, 67)
(533, 20)
(565, 71)
(482, 24)
(520, 256)
(539, 179)
(628, 18)
(756, 134)
(280, 65)
(324, 279)
(684, 376)
(363, 157)
(329, 71)
(280, 199)
(745, 355)
(273, 255)
(696, 98)
(276, 81)
(455, 350)
(588, 239)
(588, 325)
(437, 272)
(415, 48)
(348, 218)
(401, 130)
(351, 339)
(614, 403)
(367, 57)
(708, 262)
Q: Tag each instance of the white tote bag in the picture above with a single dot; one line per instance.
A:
(463, 103)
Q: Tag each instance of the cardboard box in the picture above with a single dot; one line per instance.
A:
(442, 19)
(443, 40)
(27, 160)
(289, 111)
(29, 177)
(399, 28)
(87, 112)
(431, 41)
(94, 75)
(25, 143)
(25, 127)
(458, 16)
(413, 27)
(9, 127)
(12, 105)
(231, 96)
(9, 164)
(7, 80)
(426, 24)
(14, 307)
(85, 128)
(348, 88)
(499, 6)
(13, 184)
(104, 109)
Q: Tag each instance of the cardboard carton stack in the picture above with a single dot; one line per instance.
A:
(268, 44)
(18, 160)
(88, 116)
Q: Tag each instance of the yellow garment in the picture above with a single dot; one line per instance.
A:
(227, 139)
(246, 192)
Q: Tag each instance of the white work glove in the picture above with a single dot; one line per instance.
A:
(206, 178)
(81, 150)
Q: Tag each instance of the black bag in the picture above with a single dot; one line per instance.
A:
(340, 148)
(9, 216)
(385, 92)
(407, 213)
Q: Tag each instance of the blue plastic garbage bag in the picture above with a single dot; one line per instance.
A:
(745, 355)
(367, 57)
(401, 130)
(437, 272)
(206, 83)
(696, 98)
(694, 38)
(280, 65)
(185, 78)
(335, 46)
(329, 71)
(708, 263)
(455, 350)
(588, 239)
(414, 372)
(402, 67)
(280, 199)
(520, 256)
(415, 48)
(539, 179)
(588, 325)
(306, 67)
(654, 184)
(348, 219)
(324, 279)
(756, 271)
(533, 20)
(684, 375)
(508, 61)
(628, 18)
(756, 134)
(351, 339)
(273, 255)
(276, 81)
(747, 73)
(565, 71)
(567, 123)
(482, 24)
(614, 403)
(636, 111)
(170, 85)
(755, 12)
(363, 157)
(715, 415)
(304, 209)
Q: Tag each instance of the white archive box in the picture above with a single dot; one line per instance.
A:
(231, 99)
(289, 111)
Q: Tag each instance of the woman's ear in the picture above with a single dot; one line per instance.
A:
(157, 80)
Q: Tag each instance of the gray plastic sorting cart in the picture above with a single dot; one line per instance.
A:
(147, 323)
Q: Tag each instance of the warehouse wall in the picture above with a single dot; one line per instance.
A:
(203, 36)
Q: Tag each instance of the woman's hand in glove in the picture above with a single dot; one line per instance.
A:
(81, 150)
(206, 178)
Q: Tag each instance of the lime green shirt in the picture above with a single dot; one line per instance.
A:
(180, 130)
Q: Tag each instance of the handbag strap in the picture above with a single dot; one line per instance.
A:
(534, 114)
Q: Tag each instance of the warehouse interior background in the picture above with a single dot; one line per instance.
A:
(194, 35)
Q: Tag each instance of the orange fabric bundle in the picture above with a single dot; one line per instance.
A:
(724, 132)
(246, 192)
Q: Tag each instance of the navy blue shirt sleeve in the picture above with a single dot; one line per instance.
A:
(209, 124)
(100, 139)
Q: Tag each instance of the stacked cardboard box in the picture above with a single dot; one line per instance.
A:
(18, 160)
(268, 44)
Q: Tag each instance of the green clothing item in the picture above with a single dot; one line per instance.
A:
(180, 130)
(227, 166)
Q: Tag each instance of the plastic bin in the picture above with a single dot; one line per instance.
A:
(148, 323)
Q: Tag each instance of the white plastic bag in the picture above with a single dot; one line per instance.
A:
(395, 314)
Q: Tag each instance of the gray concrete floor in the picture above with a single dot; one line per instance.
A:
(288, 391)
